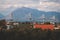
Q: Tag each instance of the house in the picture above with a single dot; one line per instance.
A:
(44, 26)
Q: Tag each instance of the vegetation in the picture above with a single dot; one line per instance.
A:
(2, 22)
(29, 34)
(24, 31)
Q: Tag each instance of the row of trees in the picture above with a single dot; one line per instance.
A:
(29, 34)
(2, 22)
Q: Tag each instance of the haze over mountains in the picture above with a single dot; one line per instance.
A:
(24, 13)
(1, 16)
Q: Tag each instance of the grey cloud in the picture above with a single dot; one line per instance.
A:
(17, 1)
(58, 1)
(25, 1)
(4, 2)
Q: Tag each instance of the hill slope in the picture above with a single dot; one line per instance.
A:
(1, 16)
(23, 14)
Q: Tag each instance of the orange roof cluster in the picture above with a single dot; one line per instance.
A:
(44, 26)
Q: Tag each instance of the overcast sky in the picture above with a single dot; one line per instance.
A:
(44, 5)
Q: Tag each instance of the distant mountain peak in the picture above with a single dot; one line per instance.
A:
(21, 14)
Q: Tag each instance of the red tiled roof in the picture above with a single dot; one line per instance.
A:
(44, 26)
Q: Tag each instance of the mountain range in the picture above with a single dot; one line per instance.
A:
(1, 16)
(24, 13)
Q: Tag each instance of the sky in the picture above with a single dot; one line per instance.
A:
(7, 6)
